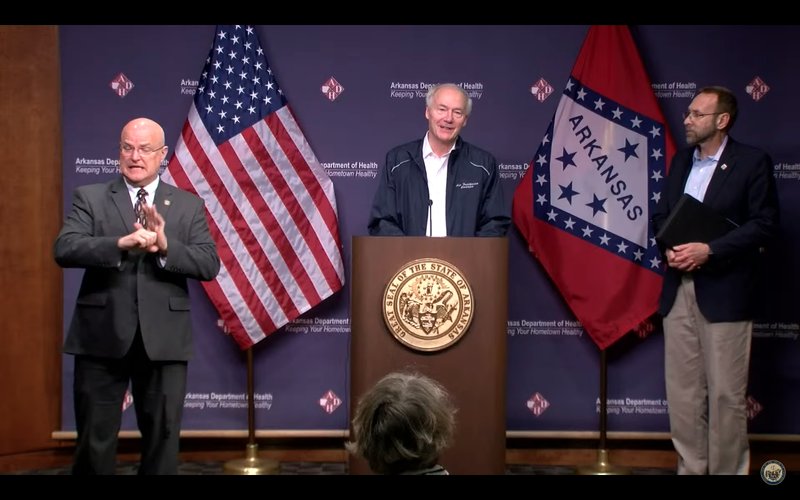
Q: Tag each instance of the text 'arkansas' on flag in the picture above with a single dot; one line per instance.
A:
(585, 202)
(270, 205)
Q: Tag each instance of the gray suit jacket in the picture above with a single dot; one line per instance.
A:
(120, 289)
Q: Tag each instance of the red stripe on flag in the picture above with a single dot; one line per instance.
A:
(290, 204)
(243, 235)
(317, 194)
(233, 326)
(231, 264)
(251, 241)
(245, 290)
(310, 181)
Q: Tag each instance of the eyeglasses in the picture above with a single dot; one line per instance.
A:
(694, 115)
(128, 150)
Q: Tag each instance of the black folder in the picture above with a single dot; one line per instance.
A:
(692, 220)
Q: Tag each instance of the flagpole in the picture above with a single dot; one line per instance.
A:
(603, 467)
(251, 465)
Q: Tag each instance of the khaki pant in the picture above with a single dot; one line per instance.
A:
(706, 367)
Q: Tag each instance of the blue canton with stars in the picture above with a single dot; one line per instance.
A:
(648, 257)
(236, 88)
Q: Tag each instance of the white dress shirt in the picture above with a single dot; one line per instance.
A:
(436, 171)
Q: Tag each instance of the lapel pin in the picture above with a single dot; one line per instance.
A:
(166, 202)
(723, 166)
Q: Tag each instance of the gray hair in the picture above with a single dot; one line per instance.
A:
(402, 424)
(435, 88)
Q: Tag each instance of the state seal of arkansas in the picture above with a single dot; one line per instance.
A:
(428, 304)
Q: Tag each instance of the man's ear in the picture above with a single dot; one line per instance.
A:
(722, 120)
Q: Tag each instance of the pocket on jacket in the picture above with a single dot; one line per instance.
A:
(179, 303)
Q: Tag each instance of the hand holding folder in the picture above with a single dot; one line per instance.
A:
(692, 220)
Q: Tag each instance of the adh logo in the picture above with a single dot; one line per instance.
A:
(329, 402)
(757, 88)
(537, 404)
(121, 85)
(541, 90)
(753, 407)
(332, 89)
(428, 305)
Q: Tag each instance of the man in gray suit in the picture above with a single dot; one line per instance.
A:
(138, 239)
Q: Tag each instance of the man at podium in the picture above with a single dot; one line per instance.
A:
(440, 185)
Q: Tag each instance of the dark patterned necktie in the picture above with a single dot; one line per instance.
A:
(138, 207)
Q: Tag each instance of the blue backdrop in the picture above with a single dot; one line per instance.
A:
(359, 90)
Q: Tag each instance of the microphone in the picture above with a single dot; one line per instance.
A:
(430, 218)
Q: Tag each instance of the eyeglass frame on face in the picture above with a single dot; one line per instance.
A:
(128, 150)
(694, 115)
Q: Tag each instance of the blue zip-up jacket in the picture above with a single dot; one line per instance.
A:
(475, 202)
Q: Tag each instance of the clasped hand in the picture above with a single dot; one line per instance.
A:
(151, 238)
(688, 257)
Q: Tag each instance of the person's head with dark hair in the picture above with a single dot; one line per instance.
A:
(402, 425)
(709, 118)
(726, 103)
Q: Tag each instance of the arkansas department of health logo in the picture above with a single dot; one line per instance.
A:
(773, 472)
(428, 304)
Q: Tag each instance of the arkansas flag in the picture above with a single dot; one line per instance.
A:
(584, 204)
(270, 205)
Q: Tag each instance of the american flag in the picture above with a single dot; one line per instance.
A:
(270, 205)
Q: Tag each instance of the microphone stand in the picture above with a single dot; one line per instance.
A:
(430, 218)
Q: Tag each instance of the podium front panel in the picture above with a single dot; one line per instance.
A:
(473, 369)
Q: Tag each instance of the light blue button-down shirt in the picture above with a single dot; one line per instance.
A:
(702, 170)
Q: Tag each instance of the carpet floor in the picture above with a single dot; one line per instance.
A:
(326, 468)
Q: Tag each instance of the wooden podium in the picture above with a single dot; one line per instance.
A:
(473, 369)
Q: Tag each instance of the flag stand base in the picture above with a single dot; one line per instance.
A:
(251, 465)
(602, 467)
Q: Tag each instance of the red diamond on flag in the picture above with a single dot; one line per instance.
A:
(121, 85)
(541, 90)
(753, 407)
(329, 402)
(757, 88)
(537, 404)
(332, 89)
